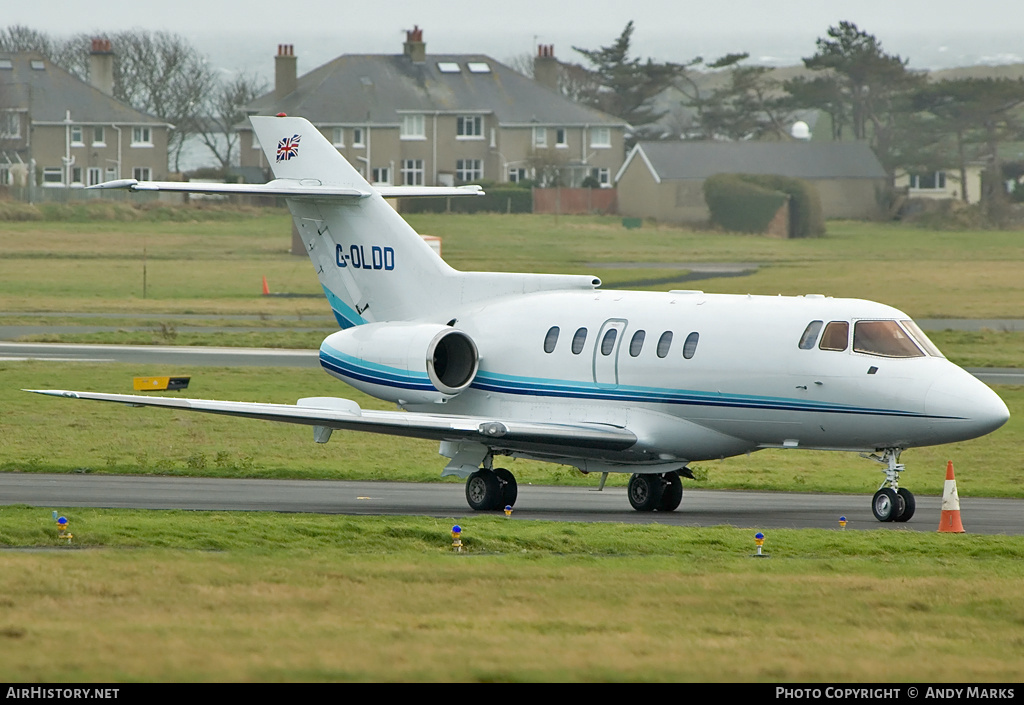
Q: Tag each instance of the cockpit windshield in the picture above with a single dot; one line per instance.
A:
(892, 339)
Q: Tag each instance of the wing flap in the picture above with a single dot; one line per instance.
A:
(343, 414)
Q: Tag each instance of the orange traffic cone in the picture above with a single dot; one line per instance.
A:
(949, 522)
(266, 289)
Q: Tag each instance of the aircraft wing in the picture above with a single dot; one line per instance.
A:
(342, 414)
(308, 188)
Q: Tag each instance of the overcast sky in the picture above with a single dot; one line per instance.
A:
(238, 34)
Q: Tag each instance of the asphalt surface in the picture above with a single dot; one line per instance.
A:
(754, 510)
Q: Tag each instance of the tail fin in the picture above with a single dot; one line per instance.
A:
(372, 265)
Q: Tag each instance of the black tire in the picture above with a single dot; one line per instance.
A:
(672, 492)
(909, 504)
(645, 492)
(885, 505)
(482, 491)
(509, 489)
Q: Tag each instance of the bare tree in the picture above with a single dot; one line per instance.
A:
(223, 111)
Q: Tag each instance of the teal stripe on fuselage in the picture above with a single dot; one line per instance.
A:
(572, 389)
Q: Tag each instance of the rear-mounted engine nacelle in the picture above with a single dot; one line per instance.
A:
(402, 362)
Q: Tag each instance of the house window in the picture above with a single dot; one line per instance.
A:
(76, 176)
(142, 137)
(469, 127)
(935, 181)
(357, 137)
(602, 176)
(412, 172)
(53, 176)
(469, 169)
(601, 137)
(561, 137)
(76, 136)
(540, 137)
(10, 125)
(515, 175)
(140, 173)
(111, 173)
(338, 138)
(5, 174)
(98, 137)
(95, 175)
(382, 175)
(413, 128)
(255, 141)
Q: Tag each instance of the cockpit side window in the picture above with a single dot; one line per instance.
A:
(836, 336)
(921, 339)
(883, 338)
(810, 335)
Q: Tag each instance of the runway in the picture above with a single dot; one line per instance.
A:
(743, 509)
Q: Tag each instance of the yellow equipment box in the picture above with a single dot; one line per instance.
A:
(159, 384)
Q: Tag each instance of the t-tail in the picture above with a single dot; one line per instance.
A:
(371, 264)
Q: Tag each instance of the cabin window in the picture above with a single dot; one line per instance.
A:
(551, 339)
(883, 338)
(578, 341)
(836, 336)
(664, 343)
(608, 342)
(636, 343)
(810, 335)
(690, 346)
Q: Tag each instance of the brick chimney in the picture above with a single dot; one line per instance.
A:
(415, 48)
(545, 66)
(285, 74)
(101, 65)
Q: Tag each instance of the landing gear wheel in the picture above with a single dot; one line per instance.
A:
(645, 492)
(909, 504)
(509, 489)
(672, 492)
(483, 491)
(886, 505)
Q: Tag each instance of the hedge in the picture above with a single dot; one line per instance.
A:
(498, 200)
(741, 201)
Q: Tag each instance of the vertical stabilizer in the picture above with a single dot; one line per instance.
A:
(372, 265)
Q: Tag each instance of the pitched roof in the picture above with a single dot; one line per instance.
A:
(803, 160)
(49, 91)
(378, 88)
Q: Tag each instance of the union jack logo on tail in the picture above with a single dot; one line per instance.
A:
(288, 148)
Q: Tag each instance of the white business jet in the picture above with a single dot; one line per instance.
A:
(552, 368)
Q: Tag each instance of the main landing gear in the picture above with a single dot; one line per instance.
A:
(649, 492)
(892, 503)
(488, 489)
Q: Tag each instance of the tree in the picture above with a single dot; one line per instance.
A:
(623, 85)
(750, 104)
(972, 111)
(223, 110)
(860, 85)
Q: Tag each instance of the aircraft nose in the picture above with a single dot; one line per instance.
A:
(959, 395)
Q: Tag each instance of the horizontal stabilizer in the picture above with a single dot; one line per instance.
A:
(306, 188)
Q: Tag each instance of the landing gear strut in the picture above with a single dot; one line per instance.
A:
(488, 489)
(892, 503)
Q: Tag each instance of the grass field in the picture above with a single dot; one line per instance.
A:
(213, 596)
(217, 266)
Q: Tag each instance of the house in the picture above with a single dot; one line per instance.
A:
(56, 130)
(664, 180)
(442, 119)
(943, 184)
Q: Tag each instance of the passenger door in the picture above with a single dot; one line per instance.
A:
(606, 352)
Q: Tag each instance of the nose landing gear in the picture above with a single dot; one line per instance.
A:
(892, 503)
